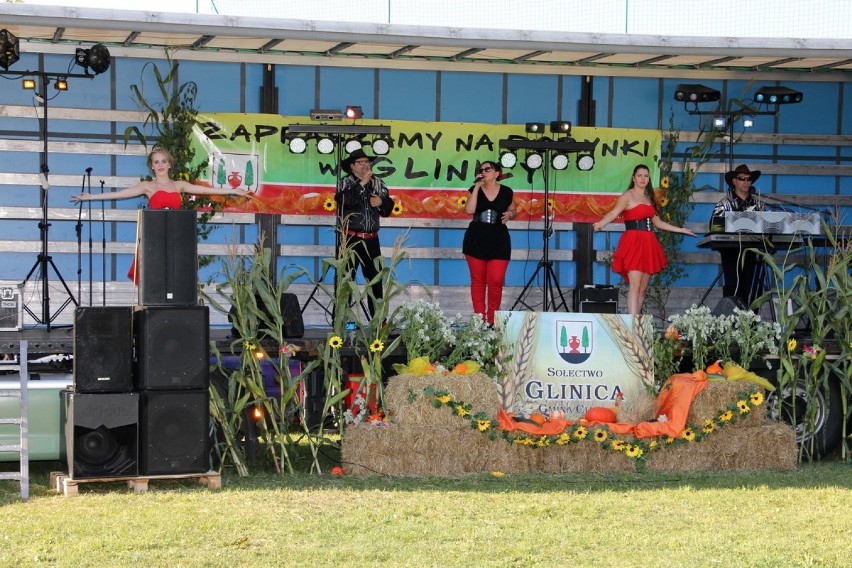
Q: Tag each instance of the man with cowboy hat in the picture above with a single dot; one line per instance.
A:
(739, 266)
(362, 199)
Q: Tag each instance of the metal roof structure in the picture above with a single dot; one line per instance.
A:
(51, 29)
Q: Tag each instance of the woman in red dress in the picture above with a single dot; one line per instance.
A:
(162, 192)
(639, 253)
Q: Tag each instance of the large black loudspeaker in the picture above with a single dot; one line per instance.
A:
(168, 258)
(103, 349)
(596, 300)
(172, 348)
(101, 434)
(291, 316)
(174, 432)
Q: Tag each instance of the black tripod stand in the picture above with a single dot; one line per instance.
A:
(44, 262)
(550, 283)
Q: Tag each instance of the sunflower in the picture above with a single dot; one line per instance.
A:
(664, 201)
(581, 433)
(541, 442)
(633, 451)
(653, 445)
(329, 204)
(709, 426)
(688, 435)
(377, 346)
(397, 209)
(601, 435)
(669, 440)
(756, 398)
(443, 398)
(791, 345)
(563, 439)
(523, 441)
(483, 425)
(726, 416)
(743, 406)
(664, 183)
(618, 445)
(462, 201)
(335, 342)
(461, 411)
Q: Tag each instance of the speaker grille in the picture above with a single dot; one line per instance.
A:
(101, 434)
(103, 349)
(173, 348)
(175, 432)
(169, 258)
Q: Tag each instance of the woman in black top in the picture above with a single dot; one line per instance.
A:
(487, 246)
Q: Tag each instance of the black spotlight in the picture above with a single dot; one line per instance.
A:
(777, 96)
(534, 127)
(96, 58)
(560, 127)
(354, 112)
(10, 49)
(696, 94)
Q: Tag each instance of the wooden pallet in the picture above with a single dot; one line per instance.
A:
(63, 483)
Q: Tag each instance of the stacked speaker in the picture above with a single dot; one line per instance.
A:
(139, 405)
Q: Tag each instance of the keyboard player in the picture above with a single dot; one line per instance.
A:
(740, 268)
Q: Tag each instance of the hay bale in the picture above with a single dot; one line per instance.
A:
(587, 456)
(411, 451)
(478, 390)
(717, 396)
(768, 446)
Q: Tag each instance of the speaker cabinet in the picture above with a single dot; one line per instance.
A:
(168, 258)
(291, 316)
(174, 432)
(101, 434)
(172, 348)
(726, 304)
(596, 300)
(103, 349)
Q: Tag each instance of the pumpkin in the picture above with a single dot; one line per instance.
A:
(715, 368)
(600, 414)
(557, 415)
(538, 418)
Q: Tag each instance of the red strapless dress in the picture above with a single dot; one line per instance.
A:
(159, 200)
(638, 249)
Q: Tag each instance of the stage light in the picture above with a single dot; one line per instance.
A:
(28, 84)
(96, 58)
(696, 94)
(508, 160)
(585, 162)
(381, 146)
(354, 112)
(352, 144)
(325, 115)
(748, 122)
(560, 127)
(61, 84)
(534, 160)
(559, 161)
(10, 49)
(325, 146)
(720, 121)
(298, 145)
(534, 127)
(777, 96)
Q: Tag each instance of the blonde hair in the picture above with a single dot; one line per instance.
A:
(162, 151)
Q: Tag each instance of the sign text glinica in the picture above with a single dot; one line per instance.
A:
(538, 390)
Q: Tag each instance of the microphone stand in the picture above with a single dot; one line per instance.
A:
(89, 181)
(103, 246)
(79, 229)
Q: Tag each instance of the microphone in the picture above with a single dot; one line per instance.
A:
(89, 171)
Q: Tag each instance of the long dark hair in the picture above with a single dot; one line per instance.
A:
(649, 189)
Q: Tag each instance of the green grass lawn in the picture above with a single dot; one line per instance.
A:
(799, 518)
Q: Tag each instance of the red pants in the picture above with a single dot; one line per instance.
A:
(490, 275)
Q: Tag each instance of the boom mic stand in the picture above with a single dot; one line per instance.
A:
(103, 244)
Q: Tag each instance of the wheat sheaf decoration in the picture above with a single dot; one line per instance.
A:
(520, 366)
(634, 350)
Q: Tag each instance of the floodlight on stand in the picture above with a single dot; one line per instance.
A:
(720, 121)
(534, 127)
(354, 112)
(560, 127)
(325, 146)
(96, 58)
(61, 84)
(10, 49)
(352, 144)
(748, 122)
(696, 94)
(559, 161)
(508, 160)
(28, 84)
(298, 145)
(533, 160)
(325, 115)
(585, 162)
(777, 96)
(381, 146)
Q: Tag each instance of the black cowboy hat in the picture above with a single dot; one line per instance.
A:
(355, 155)
(742, 169)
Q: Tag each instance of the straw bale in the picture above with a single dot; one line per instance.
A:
(478, 390)
(717, 396)
(586, 456)
(768, 446)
